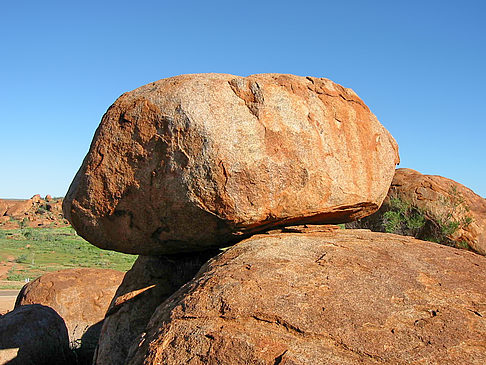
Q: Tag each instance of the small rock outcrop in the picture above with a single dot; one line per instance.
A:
(34, 334)
(33, 212)
(204, 160)
(80, 296)
(431, 207)
(150, 281)
(335, 296)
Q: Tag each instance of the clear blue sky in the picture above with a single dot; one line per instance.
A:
(419, 65)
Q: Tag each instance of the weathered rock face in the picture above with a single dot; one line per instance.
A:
(335, 297)
(34, 334)
(80, 296)
(451, 210)
(150, 281)
(3, 207)
(200, 160)
(19, 208)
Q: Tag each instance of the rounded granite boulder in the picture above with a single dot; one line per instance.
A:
(205, 160)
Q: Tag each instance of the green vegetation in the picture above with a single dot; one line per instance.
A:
(402, 217)
(30, 252)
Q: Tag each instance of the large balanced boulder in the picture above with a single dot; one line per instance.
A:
(80, 296)
(150, 281)
(204, 160)
(34, 334)
(330, 297)
(431, 207)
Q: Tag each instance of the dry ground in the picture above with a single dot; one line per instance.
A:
(7, 300)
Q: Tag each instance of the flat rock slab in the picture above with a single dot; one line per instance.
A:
(204, 160)
(336, 297)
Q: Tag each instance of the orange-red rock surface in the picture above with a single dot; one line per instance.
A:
(150, 281)
(80, 296)
(443, 202)
(204, 160)
(331, 297)
(33, 212)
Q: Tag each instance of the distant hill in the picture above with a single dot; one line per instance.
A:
(33, 212)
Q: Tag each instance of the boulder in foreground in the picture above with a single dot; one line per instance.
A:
(34, 334)
(80, 296)
(198, 161)
(334, 297)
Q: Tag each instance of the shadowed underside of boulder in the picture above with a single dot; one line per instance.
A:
(198, 161)
(336, 296)
(150, 281)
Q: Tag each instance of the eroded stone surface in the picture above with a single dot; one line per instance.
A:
(150, 281)
(202, 160)
(336, 296)
(444, 203)
(80, 296)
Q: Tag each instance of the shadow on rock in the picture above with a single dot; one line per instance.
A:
(34, 335)
(150, 281)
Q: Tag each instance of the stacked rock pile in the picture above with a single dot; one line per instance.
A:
(193, 163)
(250, 173)
(33, 212)
(184, 166)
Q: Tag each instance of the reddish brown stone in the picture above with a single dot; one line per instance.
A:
(80, 296)
(332, 297)
(36, 198)
(150, 281)
(34, 212)
(443, 202)
(205, 160)
(19, 208)
(3, 207)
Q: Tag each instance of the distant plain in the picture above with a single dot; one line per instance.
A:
(27, 253)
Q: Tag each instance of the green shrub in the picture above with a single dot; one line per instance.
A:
(24, 223)
(21, 259)
(27, 233)
(464, 245)
(15, 277)
(403, 218)
(448, 228)
(42, 209)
